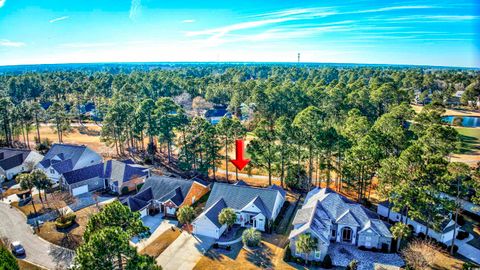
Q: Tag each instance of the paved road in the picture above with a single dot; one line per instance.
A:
(39, 251)
(260, 179)
(184, 252)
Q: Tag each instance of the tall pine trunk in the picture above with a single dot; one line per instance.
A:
(226, 157)
(37, 124)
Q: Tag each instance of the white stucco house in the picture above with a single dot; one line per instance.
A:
(330, 217)
(255, 207)
(62, 158)
(16, 161)
(443, 235)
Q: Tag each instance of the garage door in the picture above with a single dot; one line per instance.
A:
(206, 231)
(80, 190)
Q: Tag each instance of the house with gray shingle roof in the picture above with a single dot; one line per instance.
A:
(83, 180)
(125, 174)
(164, 195)
(444, 233)
(62, 158)
(255, 207)
(15, 161)
(112, 174)
(330, 217)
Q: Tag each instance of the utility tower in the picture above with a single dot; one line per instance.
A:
(298, 57)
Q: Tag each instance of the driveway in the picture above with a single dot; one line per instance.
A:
(39, 251)
(468, 250)
(342, 254)
(184, 252)
(87, 199)
(157, 226)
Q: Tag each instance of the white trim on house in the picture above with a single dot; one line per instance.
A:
(444, 237)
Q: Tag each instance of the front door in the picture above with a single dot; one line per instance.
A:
(347, 235)
(368, 241)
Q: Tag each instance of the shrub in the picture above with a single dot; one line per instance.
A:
(125, 190)
(296, 176)
(7, 260)
(147, 160)
(462, 235)
(228, 248)
(139, 186)
(327, 262)
(288, 254)
(419, 254)
(468, 266)
(352, 265)
(65, 221)
(422, 236)
(460, 220)
(43, 146)
(251, 237)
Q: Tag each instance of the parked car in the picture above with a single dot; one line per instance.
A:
(17, 248)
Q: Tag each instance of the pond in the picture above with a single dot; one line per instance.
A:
(466, 121)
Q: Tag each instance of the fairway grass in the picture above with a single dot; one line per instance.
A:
(470, 138)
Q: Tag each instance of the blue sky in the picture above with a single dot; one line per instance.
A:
(432, 32)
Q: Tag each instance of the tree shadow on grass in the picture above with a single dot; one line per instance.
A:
(218, 253)
(62, 257)
(261, 256)
(87, 131)
(469, 144)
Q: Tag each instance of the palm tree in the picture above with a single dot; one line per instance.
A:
(185, 215)
(26, 183)
(41, 182)
(306, 244)
(399, 231)
(227, 216)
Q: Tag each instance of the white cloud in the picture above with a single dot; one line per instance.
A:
(2, 2)
(188, 21)
(9, 43)
(221, 31)
(58, 19)
(135, 9)
(82, 45)
(388, 9)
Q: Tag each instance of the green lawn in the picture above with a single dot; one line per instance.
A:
(470, 139)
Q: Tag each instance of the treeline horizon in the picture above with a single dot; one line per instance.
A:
(310, 126)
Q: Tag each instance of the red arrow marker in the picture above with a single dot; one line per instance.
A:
(239, 162)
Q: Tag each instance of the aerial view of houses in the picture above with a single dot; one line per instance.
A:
(181, 135)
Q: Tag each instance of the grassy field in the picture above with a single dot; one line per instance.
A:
(470, 147)
(470, 140)
(162, 242)
(24, 265)
(267, 256)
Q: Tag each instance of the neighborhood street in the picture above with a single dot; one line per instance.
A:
(38, 251)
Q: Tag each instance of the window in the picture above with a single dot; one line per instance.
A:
(317, 254)
(347, 234)
(334, 233)
(52, 171)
